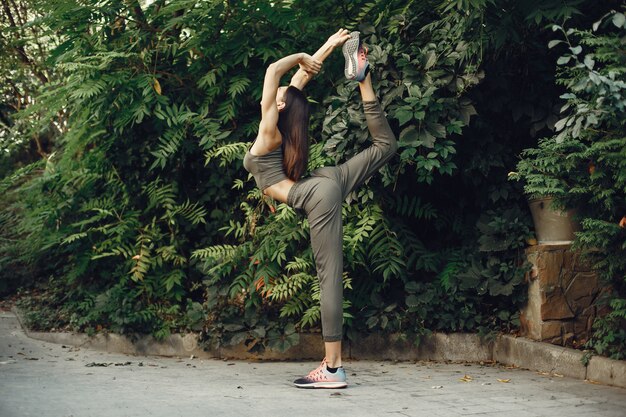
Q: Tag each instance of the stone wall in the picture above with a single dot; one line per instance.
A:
(561, 294)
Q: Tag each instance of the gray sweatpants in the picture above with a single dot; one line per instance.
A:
(321, 196)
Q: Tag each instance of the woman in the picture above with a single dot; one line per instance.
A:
(278, 159)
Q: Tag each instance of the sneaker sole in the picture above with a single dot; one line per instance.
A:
(349, 50)
(323, 385)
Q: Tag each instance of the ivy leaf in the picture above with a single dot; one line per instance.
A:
(427, 139)
(404, 115)
(409, 137)
(576, 50)
(438, 130)
(596, 25)
(371, 322)
(467, 110)
(554, 43)
(431, 58)
(563, 60)
(412, 301)
(238, 338)
(233, 327)
(411, 287)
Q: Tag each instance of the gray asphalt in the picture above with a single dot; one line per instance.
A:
(45, 379)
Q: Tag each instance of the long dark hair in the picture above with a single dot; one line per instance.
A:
(293, 123)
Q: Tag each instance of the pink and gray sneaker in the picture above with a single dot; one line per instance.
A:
(321, 377)
(355, 54)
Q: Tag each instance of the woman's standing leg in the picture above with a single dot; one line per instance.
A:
(322, 203)
(350, 175)
(321, 199)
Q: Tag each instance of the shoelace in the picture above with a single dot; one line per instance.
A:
(318, 373)
(363, 52)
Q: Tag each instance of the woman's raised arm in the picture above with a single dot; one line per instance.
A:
(273, 74)
(301, 78)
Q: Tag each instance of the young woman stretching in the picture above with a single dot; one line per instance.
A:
(278, 159)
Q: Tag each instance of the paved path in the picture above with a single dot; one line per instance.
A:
(45, 379)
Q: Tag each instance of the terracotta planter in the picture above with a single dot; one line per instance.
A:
(552, 226)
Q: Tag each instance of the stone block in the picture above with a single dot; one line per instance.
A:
(577, 306)
(582, 290)
(550, 329)
(581, 264)
(567, 276)
(550, 264)
(607, 371)
(555, 341)
(569, 260)
(568, 339)
(530, 315)
(554, 306)
(527, 327)
(533, 274)
(589, 311)
(568, 326)
(540, 260)
(539, 356)
(581, 325)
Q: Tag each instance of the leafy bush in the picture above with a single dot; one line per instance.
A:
(145, 219)
(584, 167)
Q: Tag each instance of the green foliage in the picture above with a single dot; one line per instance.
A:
(583, 165)
(124, 186)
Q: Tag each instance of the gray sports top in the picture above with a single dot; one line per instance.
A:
(267, 169)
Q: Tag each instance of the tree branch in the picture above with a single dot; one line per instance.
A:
(21, 53)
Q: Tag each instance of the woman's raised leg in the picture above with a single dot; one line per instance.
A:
(363, 165)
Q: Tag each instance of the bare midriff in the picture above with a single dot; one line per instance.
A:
(280, 190)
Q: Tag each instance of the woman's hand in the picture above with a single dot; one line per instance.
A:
(339, 38)
(310, 64)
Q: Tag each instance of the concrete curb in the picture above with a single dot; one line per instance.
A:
(539, 356)
(607, 371)
(464, 347)
(457, 347)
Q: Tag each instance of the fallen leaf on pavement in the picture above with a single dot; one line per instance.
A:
(98, 364)
(503, 380)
